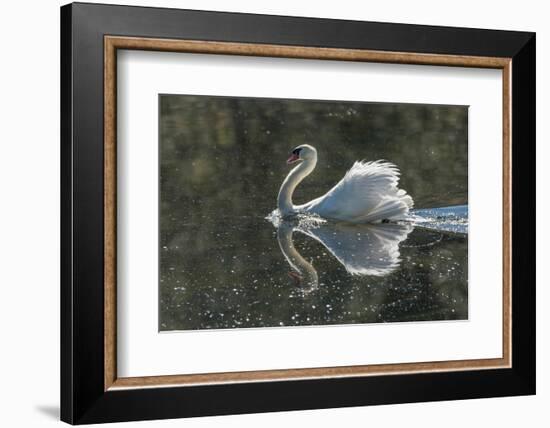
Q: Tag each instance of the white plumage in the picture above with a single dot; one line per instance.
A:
(368, 193)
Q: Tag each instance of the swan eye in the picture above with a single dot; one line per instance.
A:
(296, 152)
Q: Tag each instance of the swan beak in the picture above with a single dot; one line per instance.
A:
(293, 158)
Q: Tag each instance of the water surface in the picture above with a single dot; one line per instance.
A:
(224, 265)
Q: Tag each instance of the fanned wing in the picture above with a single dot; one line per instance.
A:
(367, 193)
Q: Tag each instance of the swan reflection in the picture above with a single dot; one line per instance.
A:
(366, 249)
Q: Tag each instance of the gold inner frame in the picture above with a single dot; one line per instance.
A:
(113, 43)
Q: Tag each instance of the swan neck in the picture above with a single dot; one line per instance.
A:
(298, 173)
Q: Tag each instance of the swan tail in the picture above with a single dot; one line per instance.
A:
(389, 209)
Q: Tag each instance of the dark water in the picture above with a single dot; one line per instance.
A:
(224, 265)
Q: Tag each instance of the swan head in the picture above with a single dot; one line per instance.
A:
(304, 152)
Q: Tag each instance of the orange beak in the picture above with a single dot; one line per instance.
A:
(293, 158)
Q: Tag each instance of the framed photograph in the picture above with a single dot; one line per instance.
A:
(265, 213)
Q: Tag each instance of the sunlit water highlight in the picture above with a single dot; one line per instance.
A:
(310, 271)
(450, 219)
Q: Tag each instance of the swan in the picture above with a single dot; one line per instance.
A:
(368, 193)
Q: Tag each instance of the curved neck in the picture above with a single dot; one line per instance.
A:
(308, 274)
(301, 171)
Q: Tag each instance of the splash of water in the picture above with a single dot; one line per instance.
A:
(448, 219)
(444, 219)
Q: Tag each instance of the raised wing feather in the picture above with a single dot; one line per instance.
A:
(367, 193)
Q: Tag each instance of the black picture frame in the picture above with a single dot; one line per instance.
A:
(83, 398)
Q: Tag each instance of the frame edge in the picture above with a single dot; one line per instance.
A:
(66, 315)
(524, 215)
(113, 43)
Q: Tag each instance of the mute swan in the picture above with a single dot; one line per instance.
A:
(368, 192)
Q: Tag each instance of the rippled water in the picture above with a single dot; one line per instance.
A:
(223, 264)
